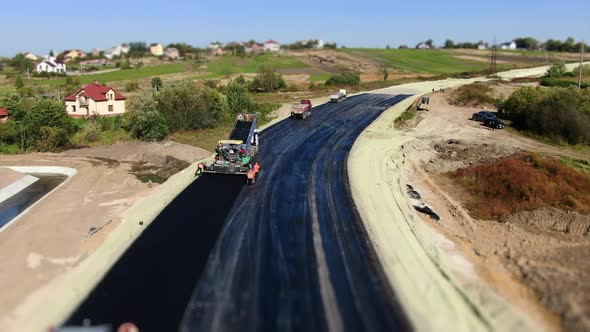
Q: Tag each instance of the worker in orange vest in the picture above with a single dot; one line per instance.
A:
(251, 176)
(256, 168)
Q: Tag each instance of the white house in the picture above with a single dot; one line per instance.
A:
(272, 46)
(116, 51)
(51, 65)
(508, 46)
(319, 45)
(423, 46)
(95, 99)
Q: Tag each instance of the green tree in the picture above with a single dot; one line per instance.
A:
(558, 70)
(18, 82)
(385, 73)
(144, 121)
(238, 99)
(449, 44)
(267, 79)
(20, 63)
(157, 83)
(528, 43)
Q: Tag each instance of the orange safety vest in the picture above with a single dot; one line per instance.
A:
(256, 168)
(250, 174)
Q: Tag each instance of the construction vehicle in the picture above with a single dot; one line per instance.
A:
(338, 96)
(235, 154)
(301, 110)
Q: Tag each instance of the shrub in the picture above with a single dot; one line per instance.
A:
(344, 79)
(267, 79)
(558, 70)
(523, 183)
(555, 82)
(92, 131)
(560, 114)
(157, 83)
(144, 121)
(50, 138)
(131, 86)
(476, 94)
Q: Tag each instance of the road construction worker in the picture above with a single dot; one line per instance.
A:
(256, 167)
(251, 176)
(200, 169)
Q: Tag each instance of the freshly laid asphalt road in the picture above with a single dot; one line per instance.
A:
(292, 254)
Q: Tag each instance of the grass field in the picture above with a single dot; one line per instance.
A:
(436, 62)
(121, 75)
(228, 65)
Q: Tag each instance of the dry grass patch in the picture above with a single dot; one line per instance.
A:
(523, 183)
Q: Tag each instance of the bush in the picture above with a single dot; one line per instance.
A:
(344, 79)
(92, 131)
(555, 82)
(157, 83)
(144, 121)
(238, 99)
(560, 114)
(476, 94)
(558, 70)
(267, 80)
(524, 183)
(50, 138)
(131, 86)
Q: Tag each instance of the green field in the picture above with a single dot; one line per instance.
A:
(121, 75)
(227, 65)
(319, 77)
(436, 62)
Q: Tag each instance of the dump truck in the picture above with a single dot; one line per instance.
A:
(301, 110)
(235, 154)
(338, 96)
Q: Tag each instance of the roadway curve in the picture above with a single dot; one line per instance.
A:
(293, 254)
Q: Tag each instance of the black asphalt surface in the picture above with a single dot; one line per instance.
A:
(152, 282)
(289, 254)
(293, 254)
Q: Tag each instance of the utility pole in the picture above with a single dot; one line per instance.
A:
(581, 66)
(494, 59)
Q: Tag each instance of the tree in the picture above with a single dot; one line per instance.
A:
(47, 126)
(20, 63)
(238, 99)
(558, 70)
(144, 121)
(449, 44)
(18, 82)
(157, 83)
(268, 79)
(429, 42)
(51, 53)
(137, 49)
(528, 43)
(385, 73)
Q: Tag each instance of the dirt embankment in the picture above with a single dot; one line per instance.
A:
(64, 228)
(529, 257)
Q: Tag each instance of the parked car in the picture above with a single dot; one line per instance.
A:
(494, 123)
(482, 116)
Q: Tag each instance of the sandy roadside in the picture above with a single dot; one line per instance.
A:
(57, 235)
(8, 176)
(436, 283)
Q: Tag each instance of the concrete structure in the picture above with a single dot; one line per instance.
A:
(157, 49)
(272, 46)
(51, 65)
(171, 53)
(95, 99)
(3, 115)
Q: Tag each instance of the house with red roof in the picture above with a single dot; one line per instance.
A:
(272, 46)
(95, 99)
(3, 115)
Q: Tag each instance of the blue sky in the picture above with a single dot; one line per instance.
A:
(40, 26)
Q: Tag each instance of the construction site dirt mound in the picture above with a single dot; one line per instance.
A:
(552, 219)
(453, 154)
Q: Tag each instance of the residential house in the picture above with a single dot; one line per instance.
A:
(508, 46)
(253, 47)
(272, 46)
(31, 56)
(216, 48)
(73, 54)
(171, 53)
(157, 49)
(422, 46)
(3, 115)
(116, 51)
(482, 46)
(95, 99)
(51, 65)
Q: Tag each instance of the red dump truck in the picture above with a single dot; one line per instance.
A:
(301, 110)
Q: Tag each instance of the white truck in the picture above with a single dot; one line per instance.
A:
(338, 96)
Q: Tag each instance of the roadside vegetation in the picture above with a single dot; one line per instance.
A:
(523, 183)
(473, 95)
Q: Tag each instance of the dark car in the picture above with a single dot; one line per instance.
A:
(482, 116)
(494, 123)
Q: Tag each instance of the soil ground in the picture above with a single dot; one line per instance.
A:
(531, 257)
(51, 239)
